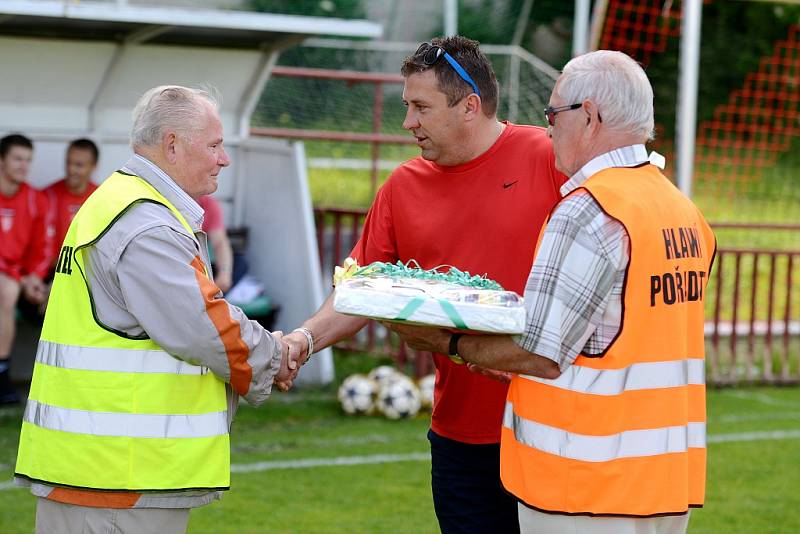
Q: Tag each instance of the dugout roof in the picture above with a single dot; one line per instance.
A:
(104, 21)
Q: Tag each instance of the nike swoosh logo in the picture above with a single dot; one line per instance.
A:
(506, 186)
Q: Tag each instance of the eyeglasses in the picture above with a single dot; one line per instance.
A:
(430, 54)
(550, 112)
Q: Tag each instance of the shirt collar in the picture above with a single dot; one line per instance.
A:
(627, 156)
(164, 184)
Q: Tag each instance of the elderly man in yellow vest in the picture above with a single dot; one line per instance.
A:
(604, 428)
(141, 362)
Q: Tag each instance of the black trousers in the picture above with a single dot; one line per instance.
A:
(467, 494)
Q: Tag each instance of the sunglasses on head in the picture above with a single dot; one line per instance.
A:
(430, 54)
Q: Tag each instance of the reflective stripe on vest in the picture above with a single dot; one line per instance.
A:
(110, 359)
(650, 375)
(107, 411)
(623, 433)
(628, 444)
(127, 425)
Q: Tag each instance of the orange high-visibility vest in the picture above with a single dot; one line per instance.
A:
(624, 433)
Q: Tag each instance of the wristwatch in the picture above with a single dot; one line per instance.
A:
(452, 350)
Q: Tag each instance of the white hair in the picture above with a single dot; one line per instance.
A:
(169, 107)
(617, 84)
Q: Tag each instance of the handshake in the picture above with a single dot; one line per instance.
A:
(296, 348)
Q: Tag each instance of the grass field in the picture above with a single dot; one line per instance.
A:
(284, 479)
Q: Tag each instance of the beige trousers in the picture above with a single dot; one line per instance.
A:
(532, 521)
(57, 518)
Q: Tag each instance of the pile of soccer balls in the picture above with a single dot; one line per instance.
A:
(387, 391)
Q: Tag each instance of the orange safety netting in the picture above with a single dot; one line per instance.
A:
(640, 27)
(748, 133)
(758, 121)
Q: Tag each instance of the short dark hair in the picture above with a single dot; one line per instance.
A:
(85, 144)
(10, 141)
(468, 55)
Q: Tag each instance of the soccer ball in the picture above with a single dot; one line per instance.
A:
(383, 375)
(426, 384)
(357, 394)
(399, 399)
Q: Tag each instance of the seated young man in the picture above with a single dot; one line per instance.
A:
(66, 196)
(26, 252)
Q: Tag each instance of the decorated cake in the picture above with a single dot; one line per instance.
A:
(444, 296)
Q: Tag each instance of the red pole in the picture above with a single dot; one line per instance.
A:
(337, 239)
(351, 76)
(717, 307)
(377, 108)
(320, 217)
(770, 309)
(787, 314)
(736, 276)
(354, 230)
(329, 135)
(751, 336)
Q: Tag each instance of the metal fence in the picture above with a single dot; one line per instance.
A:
(753, 317)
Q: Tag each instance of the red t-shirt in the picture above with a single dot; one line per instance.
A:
(212, 220)
(64, 205)
(483, 217)
(26, 234)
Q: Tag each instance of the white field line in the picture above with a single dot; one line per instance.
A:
(293, 397)
(242, 446)
(760, 397)
(754, 436)
(327, 462)
(741, 418)
(305, 463)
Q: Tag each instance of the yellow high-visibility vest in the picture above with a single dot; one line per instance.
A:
(106, 410)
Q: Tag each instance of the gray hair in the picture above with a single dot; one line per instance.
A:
(169, 107)
(617, 84)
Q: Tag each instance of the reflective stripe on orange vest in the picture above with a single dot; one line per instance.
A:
(627, 444)
(624, 433)
(651, 375)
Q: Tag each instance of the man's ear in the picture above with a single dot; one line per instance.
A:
(168, 146)
(472, 107)
(593, 119)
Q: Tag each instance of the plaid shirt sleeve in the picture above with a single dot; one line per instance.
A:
(573, 293)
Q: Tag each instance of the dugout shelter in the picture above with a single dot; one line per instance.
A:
(75, 69)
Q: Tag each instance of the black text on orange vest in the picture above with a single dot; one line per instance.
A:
(681, 242)
(677, 287)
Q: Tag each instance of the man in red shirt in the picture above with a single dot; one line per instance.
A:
(25, 246)
(68, 195)
(474, 198)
